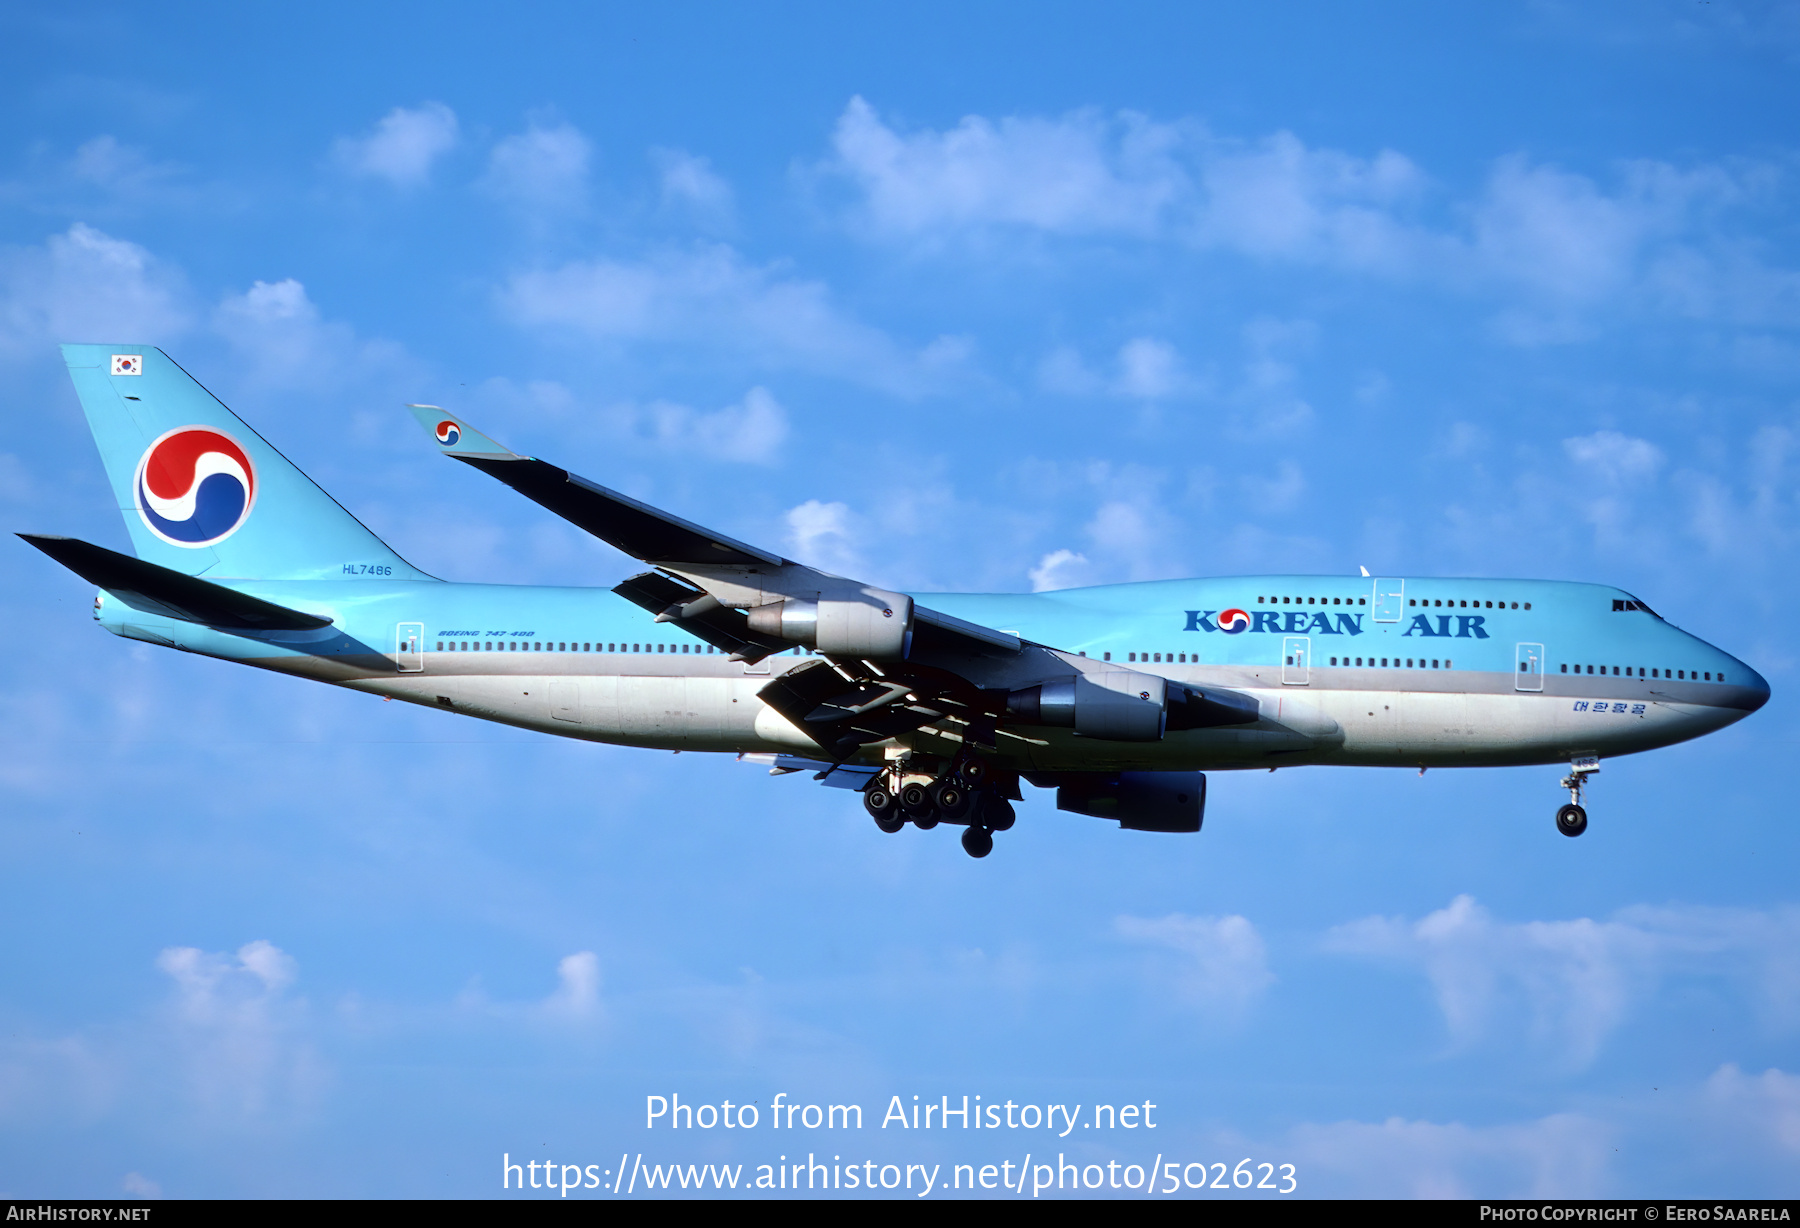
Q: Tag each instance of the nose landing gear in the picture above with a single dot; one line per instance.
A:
(1572, 819)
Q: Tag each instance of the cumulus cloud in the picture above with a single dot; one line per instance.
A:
(1562, 1156)
(1145, 369)
(136, 1185)
(1575, 982)
(1080, 174)
(239, 1032)
(710, 295)
(826, 536)
(1552, 244)
(690, 185)
(403, 146)
(1221, 964)
(1766, 1106)
(84, 285)
(577, 994)
(542, 171)
(1059, 569)
(285, 341)
(751, 432)
(1617, 458)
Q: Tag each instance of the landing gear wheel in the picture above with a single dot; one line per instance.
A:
(974, 773)
(952, 801)
(883, 809)
(915, 800)
(1000, 814)
(1571, 820)
(978, 841)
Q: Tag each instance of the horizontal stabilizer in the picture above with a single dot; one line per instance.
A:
(170, 594)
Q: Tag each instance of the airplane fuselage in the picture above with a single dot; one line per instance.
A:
(1427, 672)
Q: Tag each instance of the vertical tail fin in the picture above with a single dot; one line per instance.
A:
(203, 493)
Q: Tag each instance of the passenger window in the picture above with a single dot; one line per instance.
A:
(1107, 656)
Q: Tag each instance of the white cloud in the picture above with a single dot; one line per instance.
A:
(114, 167)
(1059, 569)
(1562, 1156)
(826, 536)
(84, 285)
(577, 995)
(285, 341)
(1617, 458)
(1278, 198)
(1080, 174)
(751, 431)
(1223, 965)
(136, 1185)
(1145, 369)
(1766, 1105)
(239, 1032)
(1576, 981)
(542, 171)
(1554, 246)
(710, 296)
(403, 146)
(690, 185)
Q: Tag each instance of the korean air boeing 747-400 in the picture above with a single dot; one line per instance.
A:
(933, 706)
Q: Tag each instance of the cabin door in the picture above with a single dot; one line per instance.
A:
(409, 647)
(1296, 660)
(1530, 661)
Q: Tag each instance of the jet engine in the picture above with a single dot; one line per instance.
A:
(875, 626)
(1140, 801)
(1123, 705)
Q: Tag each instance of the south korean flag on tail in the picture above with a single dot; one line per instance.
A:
(128, 364)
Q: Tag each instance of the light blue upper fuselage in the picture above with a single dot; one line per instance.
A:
(1445, 643)
(1467, 625)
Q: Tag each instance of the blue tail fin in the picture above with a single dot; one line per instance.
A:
(201, 492)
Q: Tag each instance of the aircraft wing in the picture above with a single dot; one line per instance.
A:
(736, 574)
(886, 665)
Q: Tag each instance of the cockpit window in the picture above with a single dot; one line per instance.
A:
(1633, 603)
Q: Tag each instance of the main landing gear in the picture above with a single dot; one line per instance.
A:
(966, 794)
(1571, 820)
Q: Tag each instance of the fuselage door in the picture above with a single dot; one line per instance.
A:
(1530, 675)
(1296, 656)
(1390, 599)
(409, 647)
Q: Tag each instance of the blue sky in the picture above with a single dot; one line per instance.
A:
(947, 299)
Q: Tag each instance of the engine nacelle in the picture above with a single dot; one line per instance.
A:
(875, 626)
(1140, 801)
(1120, 705)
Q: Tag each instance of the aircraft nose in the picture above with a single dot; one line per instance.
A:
(1756, 694)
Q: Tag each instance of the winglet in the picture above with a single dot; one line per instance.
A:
(456, 437)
